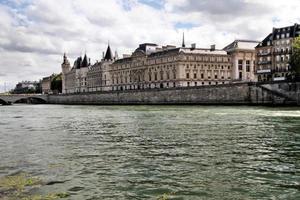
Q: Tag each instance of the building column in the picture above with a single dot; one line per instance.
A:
(252, 72)
(235, 69)
(244, 76)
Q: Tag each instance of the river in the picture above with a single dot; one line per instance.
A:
(153, 152)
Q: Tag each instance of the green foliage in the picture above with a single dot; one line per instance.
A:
(18, 182)
(296, 43)
(295, 58)
(164, 197)
(15, 187)
(56, 84)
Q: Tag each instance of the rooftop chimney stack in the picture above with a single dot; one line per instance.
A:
(193, 46)
(212, 47)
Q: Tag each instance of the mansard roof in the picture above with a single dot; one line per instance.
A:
(293, 31)
(164, 52)
(279, 33)
(265, 41)
(122, 60)
(108, 54)
(143, 46)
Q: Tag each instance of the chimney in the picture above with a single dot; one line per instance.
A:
(212, 47)
(193, 46)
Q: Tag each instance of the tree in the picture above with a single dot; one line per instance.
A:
(295, 58)
(56, 84)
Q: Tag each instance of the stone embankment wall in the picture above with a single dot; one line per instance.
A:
(235, 94)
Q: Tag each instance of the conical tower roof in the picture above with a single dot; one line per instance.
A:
(85, 62)
(108, 54)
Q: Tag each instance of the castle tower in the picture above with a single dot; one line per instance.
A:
(65, 69)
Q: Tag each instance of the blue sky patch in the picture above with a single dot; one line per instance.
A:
(182, 25)
(157, 4)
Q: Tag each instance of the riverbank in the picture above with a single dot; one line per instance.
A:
(281, 94)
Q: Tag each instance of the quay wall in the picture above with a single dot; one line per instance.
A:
(231, 94)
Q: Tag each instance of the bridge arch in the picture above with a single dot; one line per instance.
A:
(31, 99)
(3, 102)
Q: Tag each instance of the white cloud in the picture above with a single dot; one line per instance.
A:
(35, 33)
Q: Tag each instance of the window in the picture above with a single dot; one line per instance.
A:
(202, 75)
(187, 75)
(195, 75)
(240, 75)
(240, 64)
(195, 83)
(161, 75)
(188, 84)
(248, 65)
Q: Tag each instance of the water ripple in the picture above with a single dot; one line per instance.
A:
(144, 152)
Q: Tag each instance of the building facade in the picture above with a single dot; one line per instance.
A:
(46, 84)
(274, 52)
(152, 66)
(243, 59)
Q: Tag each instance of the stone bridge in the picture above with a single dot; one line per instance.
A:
(25, 98)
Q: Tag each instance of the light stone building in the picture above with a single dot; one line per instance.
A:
(170, 67)
(243, 59)
(46, 84)
(151, 66)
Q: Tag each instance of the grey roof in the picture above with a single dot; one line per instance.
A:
(108, 54)
(234, 43)
(85, 62)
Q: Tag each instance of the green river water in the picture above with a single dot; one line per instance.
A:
(152, 152)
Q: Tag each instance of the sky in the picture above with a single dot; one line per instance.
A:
(34, 34)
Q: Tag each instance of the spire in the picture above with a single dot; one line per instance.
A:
(108, 54)
(85, 61)
(183, 43)
(65, 61)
